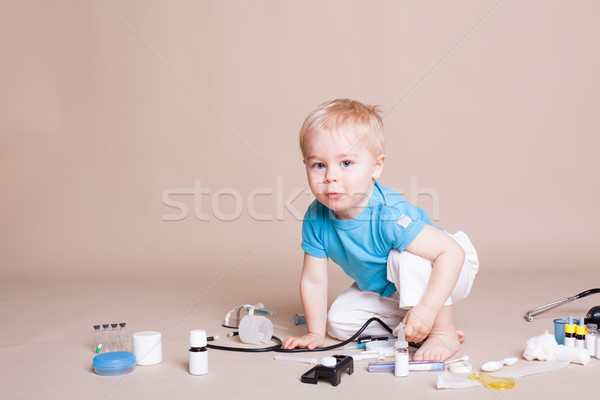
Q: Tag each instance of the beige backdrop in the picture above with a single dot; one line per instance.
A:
(107, 107)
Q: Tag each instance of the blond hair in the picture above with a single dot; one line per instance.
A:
(356, 121)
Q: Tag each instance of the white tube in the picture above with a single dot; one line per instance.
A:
(426, 366)
(380, 354)
(307, 360)
(366, 355)
(381, 347)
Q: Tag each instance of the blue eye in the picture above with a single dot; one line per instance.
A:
(319, 165)
(346, 163)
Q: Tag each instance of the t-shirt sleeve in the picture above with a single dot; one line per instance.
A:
(312, 232)
(400, 225)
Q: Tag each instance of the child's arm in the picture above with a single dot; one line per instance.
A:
(448, 258)
(313, 293)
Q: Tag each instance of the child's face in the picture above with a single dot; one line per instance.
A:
(340, 173)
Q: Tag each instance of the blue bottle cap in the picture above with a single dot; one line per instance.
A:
(114, 359)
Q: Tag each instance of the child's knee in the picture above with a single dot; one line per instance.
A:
(339, 325)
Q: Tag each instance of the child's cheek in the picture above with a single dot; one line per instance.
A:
(315, 174)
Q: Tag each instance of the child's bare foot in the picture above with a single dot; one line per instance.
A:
(440, 345)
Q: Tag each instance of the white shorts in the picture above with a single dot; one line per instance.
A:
(410, 273)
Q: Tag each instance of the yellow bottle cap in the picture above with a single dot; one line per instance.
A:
(569, 328)
(580, 330)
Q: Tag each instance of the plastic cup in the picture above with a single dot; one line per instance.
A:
(255, 329)
(559, 329)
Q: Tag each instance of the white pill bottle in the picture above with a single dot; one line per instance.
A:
(198, 352)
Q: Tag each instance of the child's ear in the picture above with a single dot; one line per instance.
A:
(378, 166)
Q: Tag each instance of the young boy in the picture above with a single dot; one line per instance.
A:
(406, 269)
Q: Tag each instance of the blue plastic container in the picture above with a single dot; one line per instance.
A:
(114, 363)
(559, 329)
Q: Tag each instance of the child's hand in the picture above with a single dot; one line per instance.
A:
(419, 322)
(309, 341)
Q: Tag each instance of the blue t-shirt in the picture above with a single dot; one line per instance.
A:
(361, 246)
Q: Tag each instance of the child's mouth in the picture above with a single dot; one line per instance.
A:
(334, 195)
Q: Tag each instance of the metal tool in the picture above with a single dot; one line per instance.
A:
(551, 306)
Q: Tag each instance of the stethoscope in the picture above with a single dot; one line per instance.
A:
(551, 306)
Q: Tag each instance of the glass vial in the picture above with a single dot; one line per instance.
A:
(97, 339)
(590, 339)
(114, 337)
(123, 338)
(198, 352)
(401, 358)
(105, 335)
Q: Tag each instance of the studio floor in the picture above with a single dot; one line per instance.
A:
(47, 345)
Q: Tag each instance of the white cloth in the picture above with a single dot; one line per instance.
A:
(410, 273)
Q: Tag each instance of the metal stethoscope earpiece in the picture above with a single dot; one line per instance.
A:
(550, 306)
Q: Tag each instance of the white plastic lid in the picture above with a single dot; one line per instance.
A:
(198, 338)
(255, 329)
(328, 361)
(401, 344)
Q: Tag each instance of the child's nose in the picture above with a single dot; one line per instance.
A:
(330, 176)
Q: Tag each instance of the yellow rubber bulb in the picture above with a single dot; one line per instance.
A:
(493, 382)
